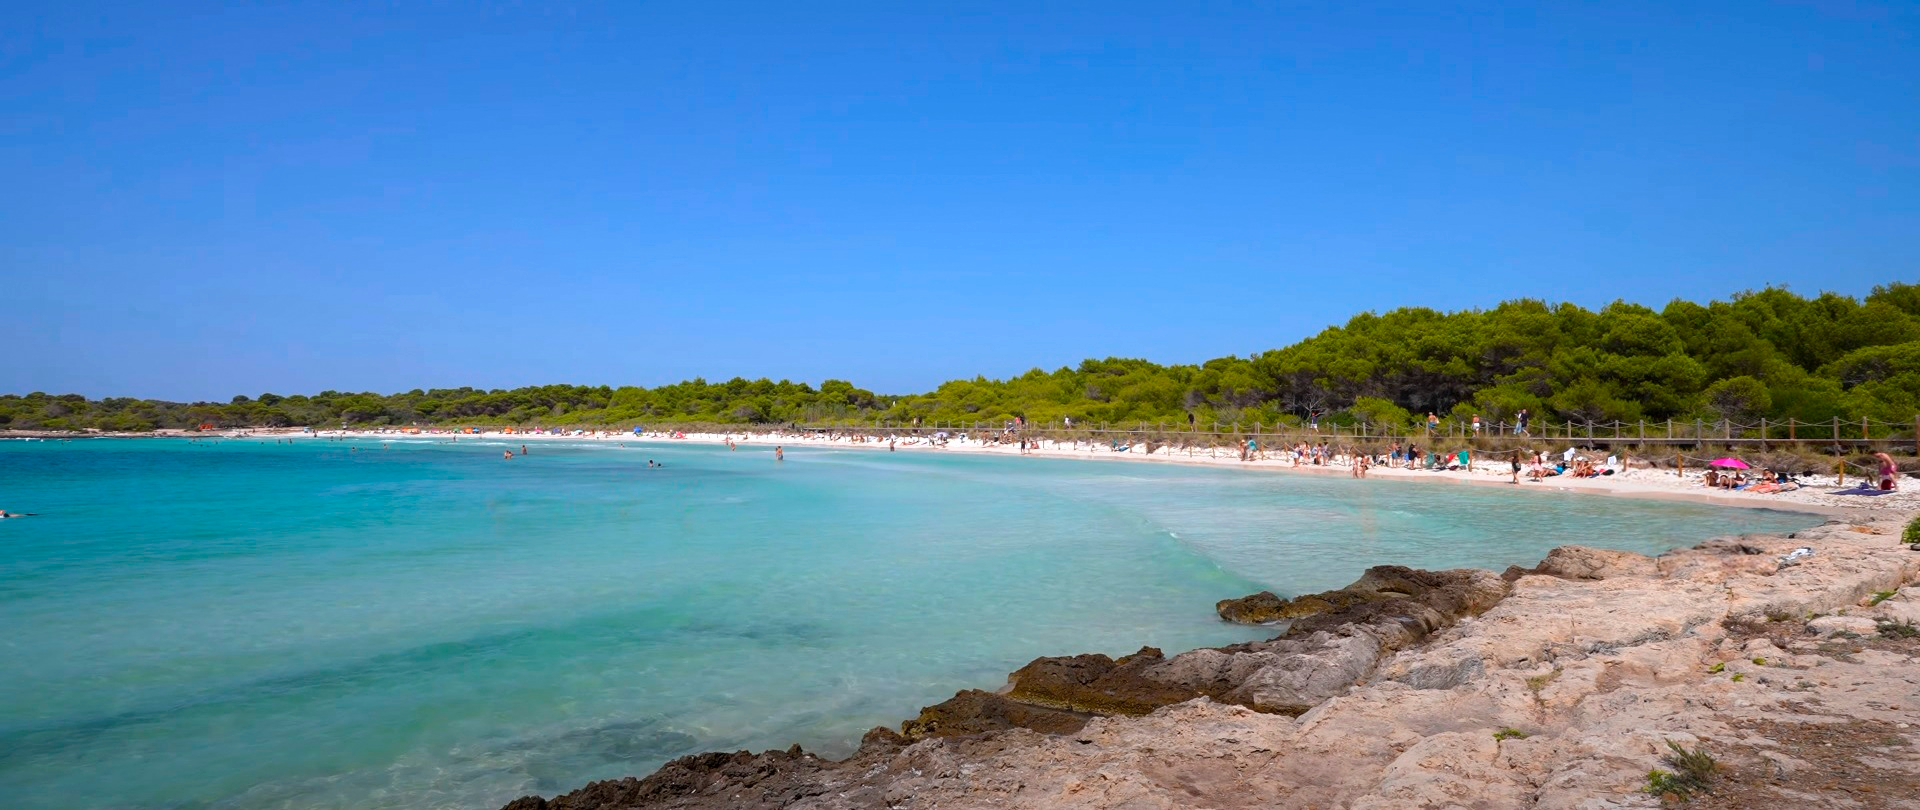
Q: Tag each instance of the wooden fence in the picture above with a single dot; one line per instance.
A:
(1836, 435)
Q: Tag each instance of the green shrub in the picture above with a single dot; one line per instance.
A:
(1912, 535)
(1510, 734)
(1693, 773)
(1880, 596)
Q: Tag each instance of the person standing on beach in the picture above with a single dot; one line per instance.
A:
(1433, 422)
(1516, 466)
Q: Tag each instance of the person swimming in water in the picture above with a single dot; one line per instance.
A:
(779, 453)
(507, 455)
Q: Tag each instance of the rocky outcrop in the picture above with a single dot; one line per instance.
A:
(1558, 689)
(1337, 638)
(1449, 592)
(975, 712)
(1096, 684)
(1261, 608)
(1580, 562)
(1323, 653)
(738, 780)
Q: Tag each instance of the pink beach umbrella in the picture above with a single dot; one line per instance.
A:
(1732, 463)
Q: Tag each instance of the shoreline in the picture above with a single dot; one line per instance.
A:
(1646, 483)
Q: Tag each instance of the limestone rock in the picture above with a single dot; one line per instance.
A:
(1829, 625)
(1580, 562)
(1901, 608)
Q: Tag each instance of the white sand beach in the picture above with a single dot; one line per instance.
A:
(1631, 477)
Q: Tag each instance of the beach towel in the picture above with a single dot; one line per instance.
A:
(1863, 490)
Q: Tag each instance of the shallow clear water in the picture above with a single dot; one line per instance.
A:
(242, 624)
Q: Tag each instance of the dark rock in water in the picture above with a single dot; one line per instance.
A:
(1264, 607)
(1258, 608)
(1097, 684)
(882, 737)
(1326, 602)
(976, 712)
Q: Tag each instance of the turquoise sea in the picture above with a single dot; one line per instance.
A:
(357, 624)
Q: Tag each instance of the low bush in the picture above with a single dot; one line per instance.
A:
(1693, 773)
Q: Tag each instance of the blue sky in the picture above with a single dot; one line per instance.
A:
(203, 200)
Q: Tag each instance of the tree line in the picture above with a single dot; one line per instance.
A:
(1769, 354)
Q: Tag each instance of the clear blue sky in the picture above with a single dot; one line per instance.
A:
(205, 200)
